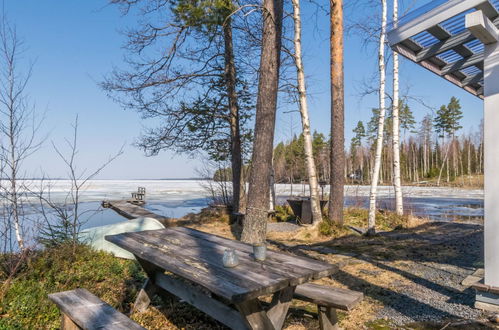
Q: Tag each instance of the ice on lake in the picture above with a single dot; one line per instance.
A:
(175, 198)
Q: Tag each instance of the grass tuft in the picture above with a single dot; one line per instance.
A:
(24, 304)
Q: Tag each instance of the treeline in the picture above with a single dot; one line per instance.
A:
(429, 150)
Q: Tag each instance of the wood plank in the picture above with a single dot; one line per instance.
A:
(328, 296)
(89, 312)
(208, 262)
(201, 301)
(212, 257)
(318, 268)
(254, 284)
(191, 272)
(197, 257)
(269, 268)
(131, 211)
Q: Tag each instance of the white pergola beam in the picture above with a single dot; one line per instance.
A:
(481, 27)
(438, 15)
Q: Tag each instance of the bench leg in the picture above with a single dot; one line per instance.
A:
(68, 324)
(328, 320)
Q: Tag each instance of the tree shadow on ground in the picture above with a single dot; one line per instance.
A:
(449, 250)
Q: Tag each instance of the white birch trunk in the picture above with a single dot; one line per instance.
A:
(272, 190)
(399, 206)
(381, 124)
(307, 137)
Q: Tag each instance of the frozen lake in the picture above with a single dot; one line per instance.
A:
(175, 198)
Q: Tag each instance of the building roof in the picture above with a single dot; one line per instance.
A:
(435, 37)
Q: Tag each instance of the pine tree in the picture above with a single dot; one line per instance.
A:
(447, 123)
(360, 133)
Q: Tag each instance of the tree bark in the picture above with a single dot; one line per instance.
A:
(381, 124)
(337, 154)
(235, 136)
(399, 206)
(255, 222)
(305, 121)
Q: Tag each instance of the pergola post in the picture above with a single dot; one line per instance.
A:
(491, 171)
(484, 30)
(434, 37)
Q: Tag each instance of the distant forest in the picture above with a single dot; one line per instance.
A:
(436, 148)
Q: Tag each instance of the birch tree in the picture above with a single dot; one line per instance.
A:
(399, 207)
(381, 123)
(302, 97)
(18, 126)
(337, 153)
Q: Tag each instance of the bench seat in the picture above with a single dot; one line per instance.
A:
(328, 299)
(83, 310)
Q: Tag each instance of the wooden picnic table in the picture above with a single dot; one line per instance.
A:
(193, 260)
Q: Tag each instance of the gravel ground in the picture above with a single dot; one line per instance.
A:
(415, 274)
(434, 291)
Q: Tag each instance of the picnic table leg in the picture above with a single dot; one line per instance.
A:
(275, 316)
(67, 323)
(149, 289)
(280, 305)
(144, 297)
(255, 316)
(328, 320)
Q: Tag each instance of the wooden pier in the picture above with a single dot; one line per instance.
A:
(130, 210)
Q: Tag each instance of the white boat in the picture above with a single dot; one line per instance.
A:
(95, 236)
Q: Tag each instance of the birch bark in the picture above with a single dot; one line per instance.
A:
(399, 206)
(371, 223)
(305, 121)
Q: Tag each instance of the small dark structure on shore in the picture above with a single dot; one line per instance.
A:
(302, 208)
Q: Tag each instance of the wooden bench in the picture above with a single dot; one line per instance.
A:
(82, 310)
(140, 195)
(328, 300)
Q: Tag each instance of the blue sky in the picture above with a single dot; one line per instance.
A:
(75, 43)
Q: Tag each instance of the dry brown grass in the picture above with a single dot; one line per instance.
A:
(362, 262)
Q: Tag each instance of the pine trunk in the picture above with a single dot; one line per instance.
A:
(255, 222)
(235, 136)
(337, 149)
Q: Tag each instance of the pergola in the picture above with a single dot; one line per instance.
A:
(458, 40)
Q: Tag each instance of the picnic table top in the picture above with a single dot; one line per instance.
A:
(197, 257)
